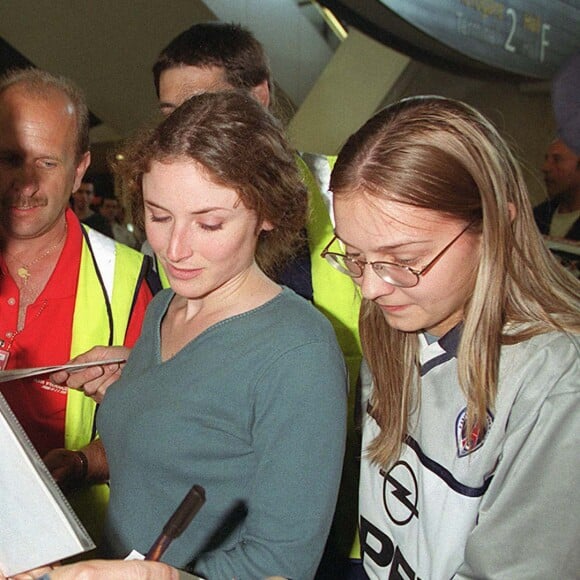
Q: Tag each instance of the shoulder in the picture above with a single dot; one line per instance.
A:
(541, 370)
(551, 352)
(297, 317)
(287, 330)
(292, 338)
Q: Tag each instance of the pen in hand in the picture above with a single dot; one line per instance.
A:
(177, 523)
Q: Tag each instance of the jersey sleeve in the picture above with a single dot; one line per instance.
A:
(529, 520)
(299, 433)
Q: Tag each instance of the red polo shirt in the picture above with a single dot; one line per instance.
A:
(46, 338)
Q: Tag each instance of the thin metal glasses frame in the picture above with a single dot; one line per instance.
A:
(331, 258)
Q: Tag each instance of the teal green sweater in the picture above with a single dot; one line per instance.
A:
(253, 410)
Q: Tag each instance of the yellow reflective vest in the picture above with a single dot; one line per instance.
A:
(336, 296)
(110, 276)
(333, 293)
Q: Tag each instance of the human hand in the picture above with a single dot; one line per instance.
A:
(105, 570)
(65, 467)
(94, 381)
(36, 573)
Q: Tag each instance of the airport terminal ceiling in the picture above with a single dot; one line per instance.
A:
(518, 39)
(108, 48)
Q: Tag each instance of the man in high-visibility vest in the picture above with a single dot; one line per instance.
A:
(64, 288)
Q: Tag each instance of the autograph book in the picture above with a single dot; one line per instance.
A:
(38, 525)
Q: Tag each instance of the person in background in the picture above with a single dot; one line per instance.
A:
(96, 201)
(559, 216)
(81, 200)
(566, 104)
(64, 288)
(214, 56)
(81, 204)
(236, 383)
(552, 214)
(111, 210)
(471, 334)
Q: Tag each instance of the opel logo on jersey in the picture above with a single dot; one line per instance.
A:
(400, 493)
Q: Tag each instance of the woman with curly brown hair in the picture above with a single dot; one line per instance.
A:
(236, 383)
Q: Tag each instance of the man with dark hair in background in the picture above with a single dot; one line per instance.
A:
(112, 212)
(82, 201)
(559, 216)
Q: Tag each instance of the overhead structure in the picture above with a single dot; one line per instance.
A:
(523, 39)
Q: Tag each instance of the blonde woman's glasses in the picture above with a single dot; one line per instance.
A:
(394, 274)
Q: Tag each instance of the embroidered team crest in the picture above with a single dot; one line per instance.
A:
(468, 444)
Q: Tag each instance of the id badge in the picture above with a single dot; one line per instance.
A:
(4, 356)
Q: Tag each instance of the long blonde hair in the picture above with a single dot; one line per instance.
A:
(442, 155)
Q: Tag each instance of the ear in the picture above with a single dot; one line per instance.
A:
(266, 226)
(512, 211)
(261, 93)
(81, 169)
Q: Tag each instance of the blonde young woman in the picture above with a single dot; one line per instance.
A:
(470, 331)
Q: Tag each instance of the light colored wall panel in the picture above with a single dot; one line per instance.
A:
(355, 82)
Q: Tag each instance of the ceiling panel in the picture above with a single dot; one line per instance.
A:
(107, 47)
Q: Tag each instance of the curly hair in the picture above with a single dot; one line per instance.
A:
(241, 146)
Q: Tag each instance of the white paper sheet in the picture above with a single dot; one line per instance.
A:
(38, 525)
